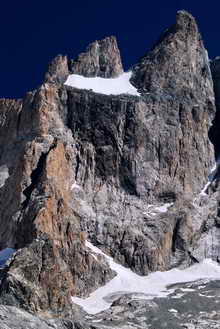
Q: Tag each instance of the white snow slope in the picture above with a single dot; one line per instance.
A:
(113, 86)
(153, 285)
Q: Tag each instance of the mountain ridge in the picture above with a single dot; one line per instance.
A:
(125, 172)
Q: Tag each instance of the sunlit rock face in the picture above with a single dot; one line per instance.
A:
(101, 59)
(125, 169)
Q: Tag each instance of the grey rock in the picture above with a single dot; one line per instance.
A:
(176, 62)
(102, 58)
(14, 318)
(124, 171)
(36, 208)
(133, 152)
(58, 70)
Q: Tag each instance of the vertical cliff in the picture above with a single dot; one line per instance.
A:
(124, 171)
(138, 153)
(37, 212)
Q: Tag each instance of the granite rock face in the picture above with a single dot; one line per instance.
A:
(37, 214)
(14, 318)
(137, 153)
(102, 59)
(176, 62)
(125, 172)
(58, 70)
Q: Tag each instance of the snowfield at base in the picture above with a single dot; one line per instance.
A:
(153, 285)
(113, 86)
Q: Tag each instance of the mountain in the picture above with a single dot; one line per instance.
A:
(107, 176)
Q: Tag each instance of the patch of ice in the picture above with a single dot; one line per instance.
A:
(113, 86)
(172, 310)
(153, 285)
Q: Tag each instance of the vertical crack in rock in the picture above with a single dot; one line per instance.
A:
(35, 175)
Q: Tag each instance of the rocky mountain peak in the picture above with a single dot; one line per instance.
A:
(58, 70)
(185, 21)
(102, 59)
(127, 173)
(177, 61)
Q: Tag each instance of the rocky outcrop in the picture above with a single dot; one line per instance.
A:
(37, 213)
(177, 64)
(102, 58)
(14, 318)
(124, 171)
(58, 70)
(137, 152)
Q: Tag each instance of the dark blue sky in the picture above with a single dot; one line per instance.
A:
(32, 32)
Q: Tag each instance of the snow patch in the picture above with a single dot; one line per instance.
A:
(153, 210)
(75, 186)
(153, 285)
(210, 178)
(4, 174)
(177, 296)
(163, 208)
(113, 86)
(207, 296)
(204, 190)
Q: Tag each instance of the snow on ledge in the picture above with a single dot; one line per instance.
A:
(211, 177)
(144, 287)
(113, 86)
